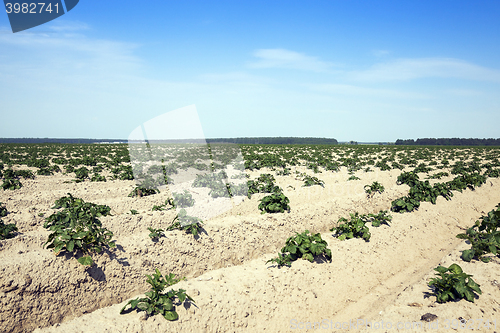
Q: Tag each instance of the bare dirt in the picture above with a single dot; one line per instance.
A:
(384, 279)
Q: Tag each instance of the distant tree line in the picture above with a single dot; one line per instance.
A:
(449, 142)
(53, 140)
(266, 140)
(276, 141)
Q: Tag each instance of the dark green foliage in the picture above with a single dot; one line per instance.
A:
(7, 230)
(157, 302)
(408, 178)
(310, 180)
(305, 246)
(81, 174)
(183, 199)
(263, 184)
(11, 184)
(77, 227)
(190, 224)
(97, 178)
(422, 168)
(405, 204)
(438, 175)
(274, 203)
(143, 191)
(26, 174)
(3, 210)
(353, 177)
(484, 237)
(453, 284)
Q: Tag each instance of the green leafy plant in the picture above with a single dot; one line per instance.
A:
(3, 210)
(168, 202)
(134, 212)
(375, 187)
(11, 184)
(155, 233)
(97, 178)
(453, 284)
(274, 203)
(405, 204)
(305, 246)
(353, 228)
(158, 302)
(183, 199)
(143, 191)
(310, 181)
(484, 237)
(353, 177)
(76, 227)
(356, 227)
(7, 230)
(81, 174)
(190, 224)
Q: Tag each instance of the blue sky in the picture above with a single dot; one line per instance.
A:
(350, 70)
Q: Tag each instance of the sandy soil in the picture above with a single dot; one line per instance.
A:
(384, 279)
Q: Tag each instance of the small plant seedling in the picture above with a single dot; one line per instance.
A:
(3, 210)
(190, 224)
(375, 187)
(310, 180)
(353, 177)
(143, 191)
(453, 284)
(305, 246)
(168, 202)
(134, 212)
(274, 203)
(7, 230)
(157, 302)
(155, 233)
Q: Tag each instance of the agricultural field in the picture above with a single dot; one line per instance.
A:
(248, 238)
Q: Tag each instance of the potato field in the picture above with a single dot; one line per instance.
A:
(249, 238)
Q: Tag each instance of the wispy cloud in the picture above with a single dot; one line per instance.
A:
(380, 53)
(281, 58)
(408, 69)
(352, 90)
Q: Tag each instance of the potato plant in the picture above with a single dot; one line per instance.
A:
(305, 246)
(183, 200)
(7, 230)
(190, 224)
(274, 203)
(453, 284)
(77, 227)
(140, 191)
(484, 237)
(375, 187)
(155, 233)
(158, 302)
(356, 227)
(3, 210)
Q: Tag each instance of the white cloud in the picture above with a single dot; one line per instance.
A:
(408, 69)
(281, 58)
